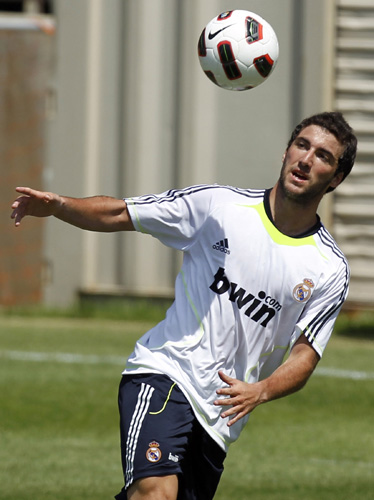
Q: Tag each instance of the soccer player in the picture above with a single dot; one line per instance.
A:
(261, 278)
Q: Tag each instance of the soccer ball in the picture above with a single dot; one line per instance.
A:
(238, 50)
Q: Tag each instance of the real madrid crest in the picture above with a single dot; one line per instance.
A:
(153, 454)
(303, 291)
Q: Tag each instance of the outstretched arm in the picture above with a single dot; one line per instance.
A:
(98, 213)
(288, 378)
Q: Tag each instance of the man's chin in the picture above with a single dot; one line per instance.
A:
(293, 192)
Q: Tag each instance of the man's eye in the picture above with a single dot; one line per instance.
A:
(324, 157)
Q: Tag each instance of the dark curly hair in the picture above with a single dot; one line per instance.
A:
(336, 124)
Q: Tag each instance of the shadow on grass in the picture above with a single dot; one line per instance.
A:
(116, 309)
(350, 323)
(356, 324)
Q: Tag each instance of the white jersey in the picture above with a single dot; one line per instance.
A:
(244, 295)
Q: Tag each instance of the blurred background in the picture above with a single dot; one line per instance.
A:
(108, 97)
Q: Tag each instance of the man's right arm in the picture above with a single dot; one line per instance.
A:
(97, 213)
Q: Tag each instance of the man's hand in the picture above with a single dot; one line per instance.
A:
(288, 378)
(241, 396)
(35, 203)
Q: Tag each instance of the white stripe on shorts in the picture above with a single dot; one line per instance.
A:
(142, 405)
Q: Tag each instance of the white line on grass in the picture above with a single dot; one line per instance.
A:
(93, 359)
(339, 463)
(339, 373)
(62, 357)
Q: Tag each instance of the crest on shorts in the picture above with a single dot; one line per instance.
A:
(153, 454)
(303, 291)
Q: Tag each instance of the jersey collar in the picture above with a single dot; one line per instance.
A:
(309, 232)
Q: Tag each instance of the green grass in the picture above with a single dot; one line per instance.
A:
(58, 421)
(316, 444)
(59, 424)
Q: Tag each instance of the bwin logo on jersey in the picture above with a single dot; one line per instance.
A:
(263, 307)
(222, 246)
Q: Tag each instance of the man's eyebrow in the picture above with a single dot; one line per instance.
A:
(301, 138)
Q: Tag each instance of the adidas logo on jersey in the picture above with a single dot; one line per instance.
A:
(222, 246)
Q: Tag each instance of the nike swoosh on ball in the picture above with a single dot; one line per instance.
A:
(212, 35)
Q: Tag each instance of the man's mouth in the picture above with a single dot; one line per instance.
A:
(299, 175)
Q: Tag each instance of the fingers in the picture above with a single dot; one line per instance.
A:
(236, 411)
(17, 215)
(225, 378)
(225, 391)
(234, 414)
(230, 399)
(18, 207)
(236, 418)
(33, 193)
(239, 405)
(24, 190)
(31, 202)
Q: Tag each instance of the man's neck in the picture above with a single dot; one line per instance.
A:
(290, 217)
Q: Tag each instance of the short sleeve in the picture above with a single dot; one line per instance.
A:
(175, 217)
(318, 319)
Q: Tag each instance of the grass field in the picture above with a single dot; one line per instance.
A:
(59, 425)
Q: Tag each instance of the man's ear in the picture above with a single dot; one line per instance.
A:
(337, 180)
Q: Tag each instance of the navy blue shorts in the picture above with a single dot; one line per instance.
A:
(161, 436)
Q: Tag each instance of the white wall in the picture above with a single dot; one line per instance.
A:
(136, 115)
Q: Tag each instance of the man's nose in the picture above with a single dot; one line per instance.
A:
(307, 158)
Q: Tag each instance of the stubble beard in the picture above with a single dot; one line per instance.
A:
(310, 194)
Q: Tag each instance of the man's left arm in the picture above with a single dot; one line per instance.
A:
(290, 377)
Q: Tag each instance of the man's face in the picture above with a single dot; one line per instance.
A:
(310, 164)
